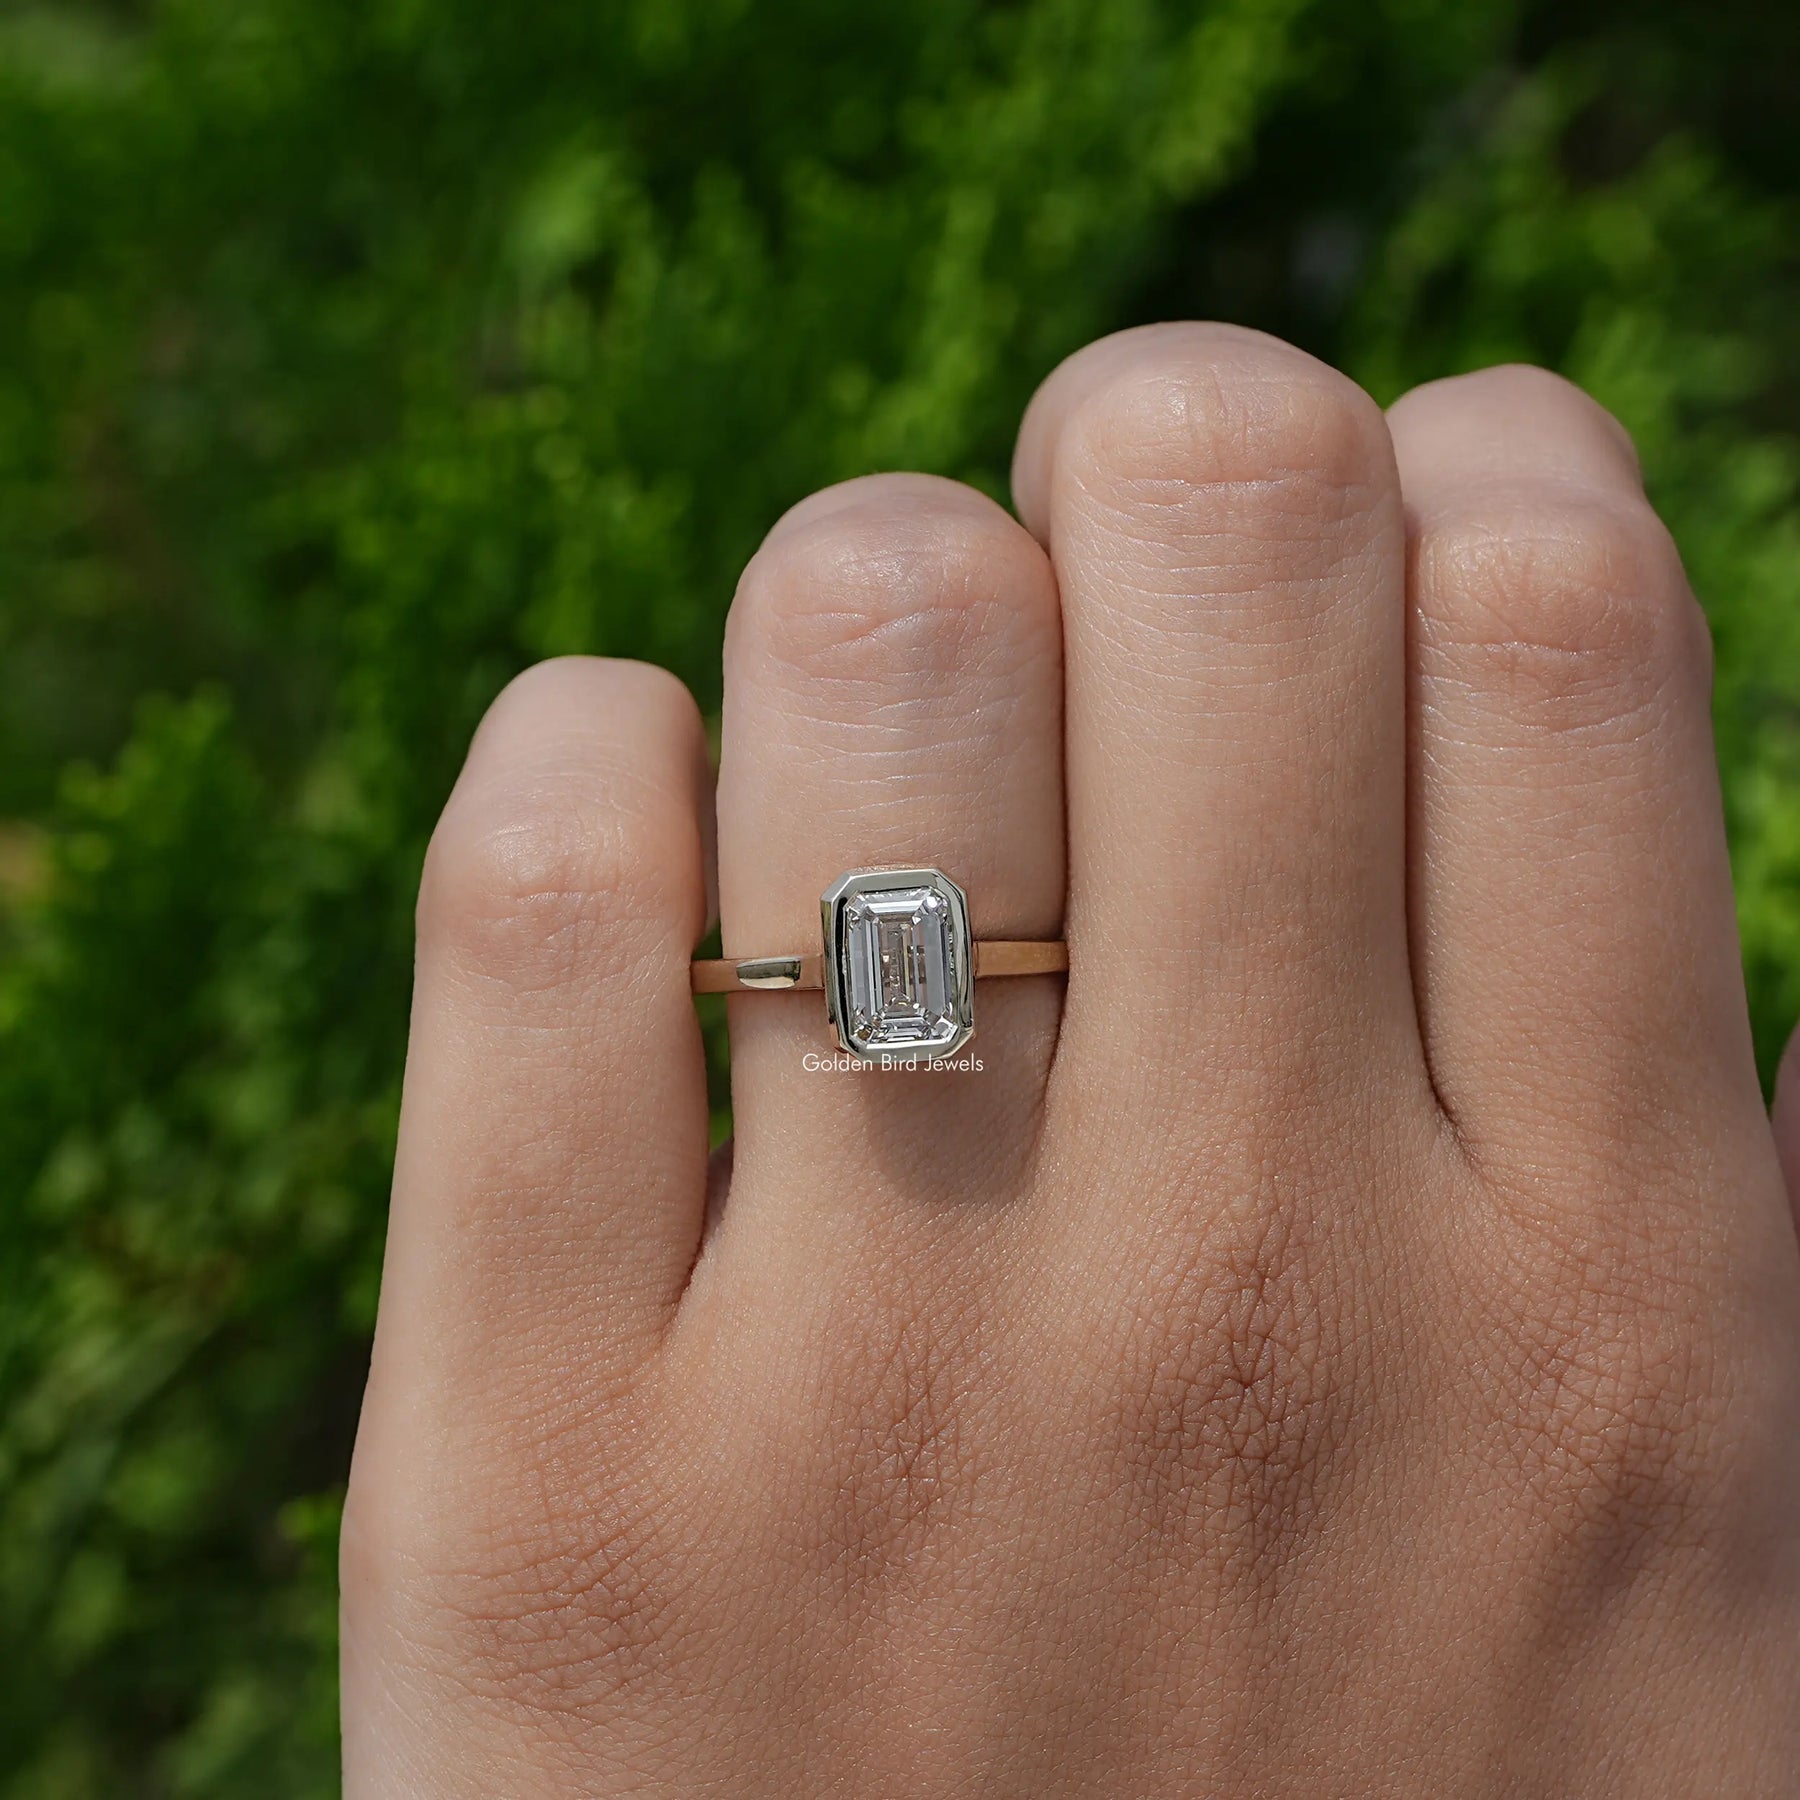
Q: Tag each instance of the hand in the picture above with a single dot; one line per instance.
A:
(1348, 1344)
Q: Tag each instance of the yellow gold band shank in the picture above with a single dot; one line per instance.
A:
(765, 974)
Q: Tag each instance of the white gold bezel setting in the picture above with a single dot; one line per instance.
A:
(898, 965)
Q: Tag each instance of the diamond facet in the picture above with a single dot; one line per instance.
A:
(898, 964)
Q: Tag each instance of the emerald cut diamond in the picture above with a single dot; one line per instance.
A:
(898, 964)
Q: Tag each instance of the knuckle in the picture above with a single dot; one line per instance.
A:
(1232, 1399)
(896, 1446)
(888, 583)
(526, 1594)
(1515, 390)
(1229, 433)
(1618, 1392)
(1574, 606)
(529, 878)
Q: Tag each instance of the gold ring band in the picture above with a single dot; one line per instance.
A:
(766, 974)
(897, 963)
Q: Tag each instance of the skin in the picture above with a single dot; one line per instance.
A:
(1345, 1341)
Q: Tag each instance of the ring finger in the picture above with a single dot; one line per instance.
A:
(893, 697)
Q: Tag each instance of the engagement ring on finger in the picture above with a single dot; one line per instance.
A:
(898, 965)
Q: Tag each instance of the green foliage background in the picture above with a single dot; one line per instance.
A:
(354, 353)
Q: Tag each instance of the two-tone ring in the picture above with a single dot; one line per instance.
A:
(898, 965)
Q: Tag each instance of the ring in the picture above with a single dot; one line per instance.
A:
(898, 966)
